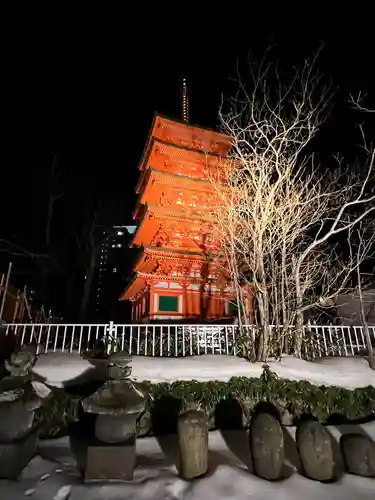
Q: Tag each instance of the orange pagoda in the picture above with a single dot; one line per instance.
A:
(177, 275)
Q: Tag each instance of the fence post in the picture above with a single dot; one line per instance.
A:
(111, 334)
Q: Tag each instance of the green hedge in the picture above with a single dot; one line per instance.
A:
(298, 398)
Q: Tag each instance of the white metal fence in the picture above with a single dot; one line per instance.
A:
(180, 340)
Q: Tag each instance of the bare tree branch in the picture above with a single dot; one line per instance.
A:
(53, 195)
(279, 213)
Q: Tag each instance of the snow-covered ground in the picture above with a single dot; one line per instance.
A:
(348, 372)
(156, 476)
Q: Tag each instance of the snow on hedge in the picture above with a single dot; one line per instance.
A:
(349, 372)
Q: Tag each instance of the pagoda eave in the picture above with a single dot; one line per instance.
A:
(186, 135)
(152, 255)
(154, 216)
(136, 286)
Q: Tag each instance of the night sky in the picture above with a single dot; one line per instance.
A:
(94, 102)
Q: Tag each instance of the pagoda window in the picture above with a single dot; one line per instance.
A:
(193, 201)
(168, 303)
(234, 307)
(180, 200)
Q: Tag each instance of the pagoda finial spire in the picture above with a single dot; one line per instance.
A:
(185, 102)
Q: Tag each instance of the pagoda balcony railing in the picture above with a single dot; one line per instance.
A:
(180, 339)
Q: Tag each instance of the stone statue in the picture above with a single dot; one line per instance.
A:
(18, 403)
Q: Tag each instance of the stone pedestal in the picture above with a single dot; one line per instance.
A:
(116, 462)
(193, 444)
(14, 456)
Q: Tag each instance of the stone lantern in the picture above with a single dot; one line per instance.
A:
(18, 403)
(117, 406)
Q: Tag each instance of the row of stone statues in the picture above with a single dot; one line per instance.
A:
(104, 441)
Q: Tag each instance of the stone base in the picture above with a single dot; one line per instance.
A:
(16, 455)
(110, 463)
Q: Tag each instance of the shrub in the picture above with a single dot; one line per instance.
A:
(298, 398)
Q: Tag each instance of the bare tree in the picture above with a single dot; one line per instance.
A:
(8, 247)
(89, 240)
(365, 247)
(280, 211)
(54, 194)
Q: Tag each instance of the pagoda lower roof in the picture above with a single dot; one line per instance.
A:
(141, 280)
(151, 255)
(135, 287)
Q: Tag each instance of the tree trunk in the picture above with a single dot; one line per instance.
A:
(88, 287)
(283, 286)
(263, 301)
(299, 332)
(362, 313)
(299, 315)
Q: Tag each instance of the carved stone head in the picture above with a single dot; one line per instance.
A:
(21, 361)
(117, 367)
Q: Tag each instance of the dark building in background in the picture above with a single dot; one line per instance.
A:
(114, 267)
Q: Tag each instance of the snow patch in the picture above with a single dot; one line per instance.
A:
(61, 369)
(156, 476)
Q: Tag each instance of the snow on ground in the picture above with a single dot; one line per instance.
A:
(347, 372)
(156, 475)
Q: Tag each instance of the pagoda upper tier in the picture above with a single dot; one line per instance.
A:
(175, 194)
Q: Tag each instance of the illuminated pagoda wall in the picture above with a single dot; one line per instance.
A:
(177, 275)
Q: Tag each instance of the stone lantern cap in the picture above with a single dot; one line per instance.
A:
(118, 396)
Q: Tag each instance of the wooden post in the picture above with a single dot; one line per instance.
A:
(5, 290)
(16, 308)
(184, 298)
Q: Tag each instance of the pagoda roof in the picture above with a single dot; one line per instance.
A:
(147, 261)
(163, 178)
(183, 135)
(158, 253)
(142, 279)
(136, 286)
(153, 215)
(177, 179)
(145, 264)
(160, 154)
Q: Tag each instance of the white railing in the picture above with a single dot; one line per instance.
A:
(180, 340)
(337, 340)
